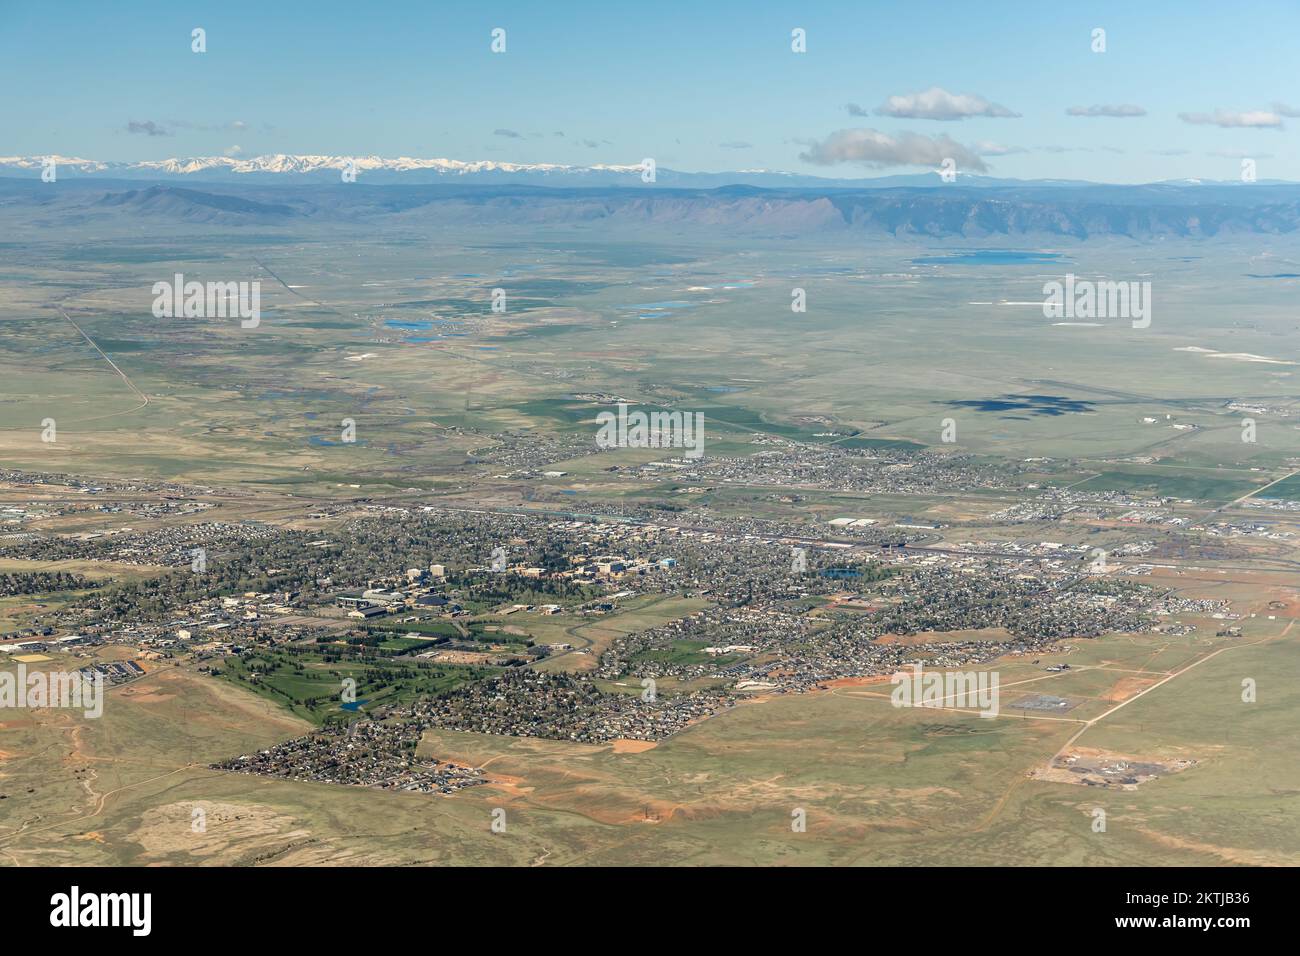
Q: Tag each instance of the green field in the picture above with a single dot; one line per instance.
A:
(1172, 484)
(310, 686)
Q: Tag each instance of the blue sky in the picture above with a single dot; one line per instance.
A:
(697, 86)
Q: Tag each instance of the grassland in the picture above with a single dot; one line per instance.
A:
(878, 784)
(263, 406)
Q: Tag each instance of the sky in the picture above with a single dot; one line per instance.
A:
(883, 88)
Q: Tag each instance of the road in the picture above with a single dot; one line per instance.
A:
(144, 399)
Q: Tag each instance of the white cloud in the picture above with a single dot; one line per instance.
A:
(879, 150)
(1231, 119)
(938, 104)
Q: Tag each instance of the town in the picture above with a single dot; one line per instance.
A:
(440, 616)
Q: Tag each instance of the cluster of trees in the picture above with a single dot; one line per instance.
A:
(42, 582)
(497, 588)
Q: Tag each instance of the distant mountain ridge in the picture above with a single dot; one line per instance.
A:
(173, 201)
(1079, 212)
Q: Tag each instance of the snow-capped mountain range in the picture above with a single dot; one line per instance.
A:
(306, 165)
(407, 169)
(376, 170)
